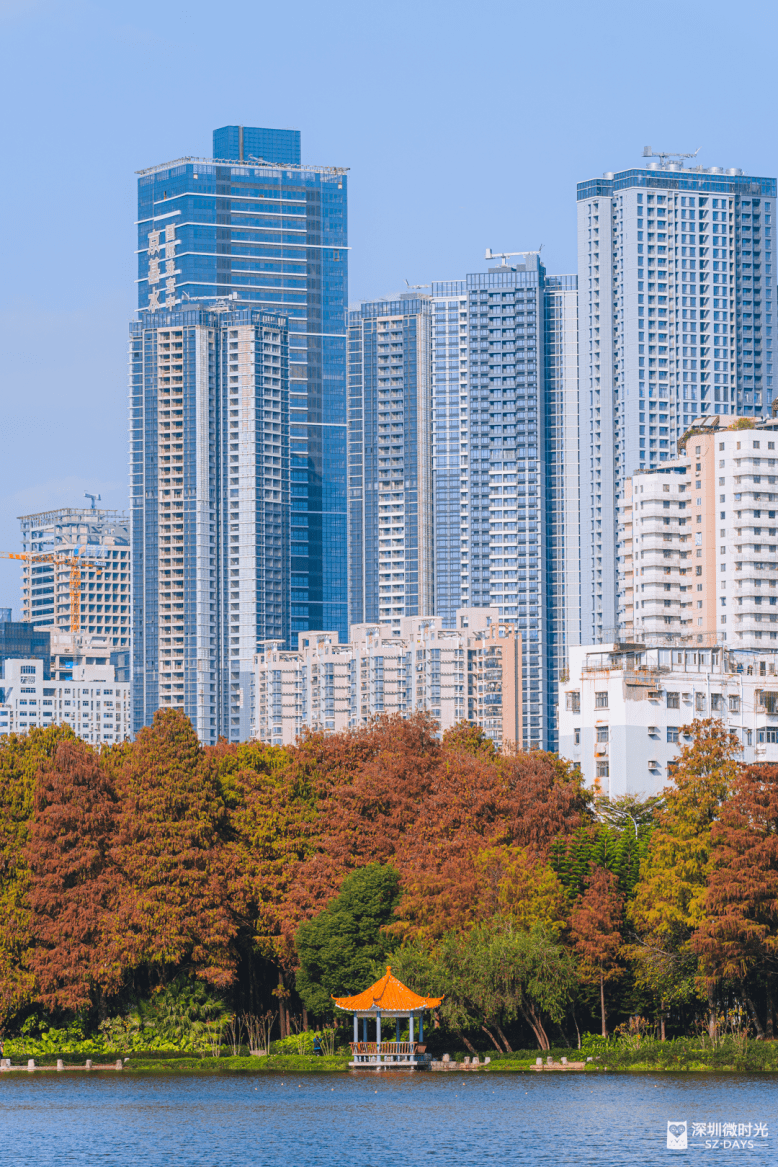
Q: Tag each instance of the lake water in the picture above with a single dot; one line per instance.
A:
(374, 1120)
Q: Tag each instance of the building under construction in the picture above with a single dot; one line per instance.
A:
(76, 584)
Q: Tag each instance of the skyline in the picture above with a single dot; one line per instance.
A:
(420, 209)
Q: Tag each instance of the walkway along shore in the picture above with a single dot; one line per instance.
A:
(32, 1068)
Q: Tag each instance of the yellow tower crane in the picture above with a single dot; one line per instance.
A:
(76, 564)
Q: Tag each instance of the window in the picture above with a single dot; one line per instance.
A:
(673, 700)
(573, 702)
(769, 701)
(576, 737)
(767, 735)
(603, 770)
(716, 702)
(672, 733)
(602, 733)
(699, 702)
(734, 703)
(601, 700)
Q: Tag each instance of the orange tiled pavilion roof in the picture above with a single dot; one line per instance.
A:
(388, 995)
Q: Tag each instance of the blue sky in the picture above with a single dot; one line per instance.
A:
(465, 126)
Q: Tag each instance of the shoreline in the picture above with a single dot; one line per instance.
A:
(337, 1065)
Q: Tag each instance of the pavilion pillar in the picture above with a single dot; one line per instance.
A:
(364, 1028)
(378, 1034)
(421, 1027)
(397, 1030)
(356, 1028)
(410, 1028)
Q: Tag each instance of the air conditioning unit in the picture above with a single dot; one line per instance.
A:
(653, 729)
(653, 764)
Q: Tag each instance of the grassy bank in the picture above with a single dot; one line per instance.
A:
(683, 1054)
(285, 1064)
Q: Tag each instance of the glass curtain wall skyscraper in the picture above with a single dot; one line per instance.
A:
(677, 299)
(239, 234)
(501, 414)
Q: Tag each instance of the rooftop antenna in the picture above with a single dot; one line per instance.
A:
(665, 157)
(94, 497)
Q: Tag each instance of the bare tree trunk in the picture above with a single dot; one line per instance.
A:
(503, 1039)
(283, 1016)
(755, 1016)
(602, 1005)
(492, 1038)
(711, 1013)
(537, 1028)
(472, 1048)
(305, 1018)
(662, 1034)
(769, 1010)
(577, 1030)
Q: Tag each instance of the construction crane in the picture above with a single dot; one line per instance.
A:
(77, 565)
(663, 155)
(506, 255)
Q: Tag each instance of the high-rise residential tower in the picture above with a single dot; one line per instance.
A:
(391, 533)
(677, 297)
(499, 425)
(211, 517)
(257, 238)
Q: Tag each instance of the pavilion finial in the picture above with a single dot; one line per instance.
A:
(388, 968)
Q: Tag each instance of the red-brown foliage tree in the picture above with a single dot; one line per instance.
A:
(72, 881)
(740, 930)
(171, 912)
(21, 756)
(396, 793)
(595, 925)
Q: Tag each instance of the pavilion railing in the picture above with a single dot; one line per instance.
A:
(365, 1048)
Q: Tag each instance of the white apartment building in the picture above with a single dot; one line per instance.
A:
(471, 672)
(93, 702)
(676, 301)
(699, 541)
(623, 708)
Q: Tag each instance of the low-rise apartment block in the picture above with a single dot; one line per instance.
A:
(471, 672)
(93, 702)
(623, 707)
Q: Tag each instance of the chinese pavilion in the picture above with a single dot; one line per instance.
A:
(387, 1000)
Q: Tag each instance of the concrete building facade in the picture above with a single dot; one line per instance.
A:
(471, 672)
(93, 702)
(624, 706)
(699, 539)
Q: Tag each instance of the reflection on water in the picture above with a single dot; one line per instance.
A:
(371, 1120)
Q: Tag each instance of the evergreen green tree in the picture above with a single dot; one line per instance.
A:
(340, 947)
